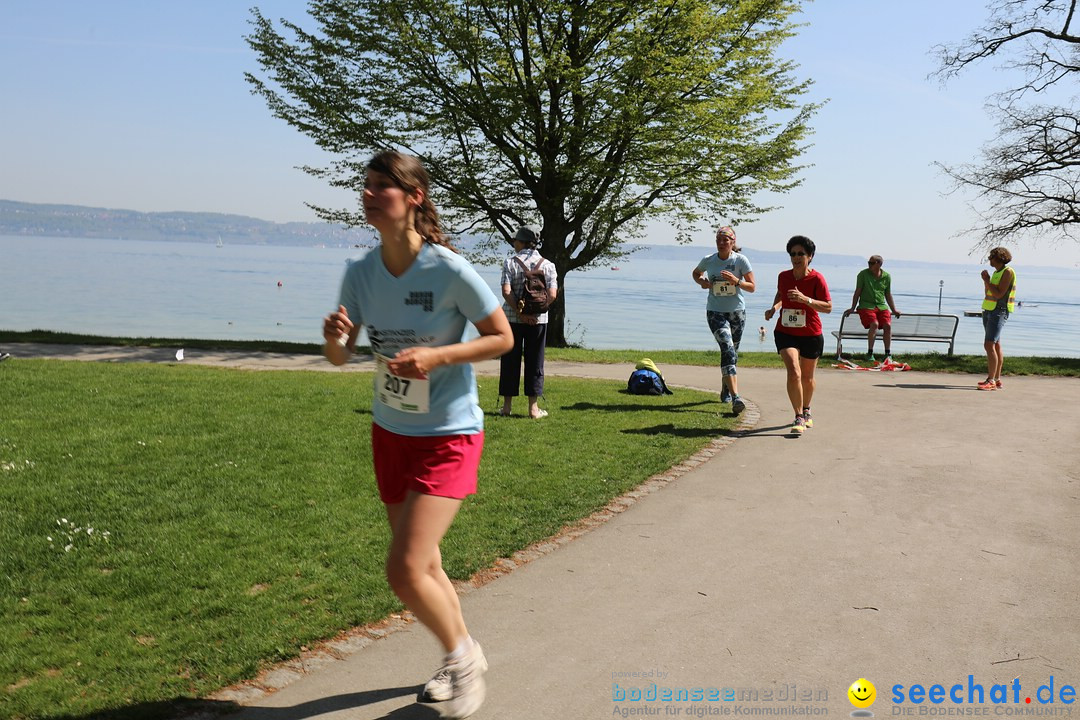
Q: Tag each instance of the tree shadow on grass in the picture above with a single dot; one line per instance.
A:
(670, 429)
(194, 709)
(682, 407)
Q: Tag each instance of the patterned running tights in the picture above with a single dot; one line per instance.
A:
(727, 328)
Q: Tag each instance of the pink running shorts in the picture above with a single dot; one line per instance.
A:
(442, 465)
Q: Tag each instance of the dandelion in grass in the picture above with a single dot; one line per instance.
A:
(78, 536)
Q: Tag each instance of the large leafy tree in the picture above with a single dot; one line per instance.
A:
(1027, 178)
(589, 117)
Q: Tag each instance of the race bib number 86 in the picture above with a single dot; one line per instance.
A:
(793, 318)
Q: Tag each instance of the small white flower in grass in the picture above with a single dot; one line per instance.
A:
(72, 532)
(48, 538)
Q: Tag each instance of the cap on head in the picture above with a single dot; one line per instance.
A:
(528, 235)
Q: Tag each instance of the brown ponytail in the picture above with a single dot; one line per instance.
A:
(409, 174)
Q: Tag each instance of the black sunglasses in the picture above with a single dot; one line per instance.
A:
(797, 254)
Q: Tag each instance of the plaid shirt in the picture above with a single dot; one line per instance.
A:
(514, 276)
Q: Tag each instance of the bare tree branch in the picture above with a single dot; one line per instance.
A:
(1026, 179)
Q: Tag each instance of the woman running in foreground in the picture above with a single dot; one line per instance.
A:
(415, 295)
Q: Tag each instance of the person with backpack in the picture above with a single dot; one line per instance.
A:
(529, 287)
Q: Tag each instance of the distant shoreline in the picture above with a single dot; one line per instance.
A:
(687, 253)
(22, 219)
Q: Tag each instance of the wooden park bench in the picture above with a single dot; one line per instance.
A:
(909, 327)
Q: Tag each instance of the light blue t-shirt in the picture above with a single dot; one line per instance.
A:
(429, 305)
(712, 266)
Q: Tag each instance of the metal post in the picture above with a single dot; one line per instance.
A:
(941, 287)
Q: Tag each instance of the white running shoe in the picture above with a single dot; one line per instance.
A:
(439, 688)
(467, 684)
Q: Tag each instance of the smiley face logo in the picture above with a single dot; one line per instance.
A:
(862, 693)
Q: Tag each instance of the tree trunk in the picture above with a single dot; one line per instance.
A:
(556, 329)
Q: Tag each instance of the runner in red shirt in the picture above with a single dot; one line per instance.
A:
(801, 295)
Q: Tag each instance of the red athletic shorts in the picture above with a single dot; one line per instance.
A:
(881, 317)
(442, 465)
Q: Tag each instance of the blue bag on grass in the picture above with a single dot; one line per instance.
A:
(647, 380)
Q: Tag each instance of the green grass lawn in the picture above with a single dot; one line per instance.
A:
(924, 361)
(168, 530)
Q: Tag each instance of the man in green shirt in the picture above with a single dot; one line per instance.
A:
(873, 299)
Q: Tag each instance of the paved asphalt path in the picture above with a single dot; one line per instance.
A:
(922, 532)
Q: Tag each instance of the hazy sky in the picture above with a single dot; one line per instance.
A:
(143, 105)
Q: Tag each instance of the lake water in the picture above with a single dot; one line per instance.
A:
(175, 289)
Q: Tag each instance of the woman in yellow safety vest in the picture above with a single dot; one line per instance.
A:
(999, 297)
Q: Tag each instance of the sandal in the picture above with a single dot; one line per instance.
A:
(504, 413)
(540, 414)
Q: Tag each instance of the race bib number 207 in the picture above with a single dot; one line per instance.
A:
(409, 395)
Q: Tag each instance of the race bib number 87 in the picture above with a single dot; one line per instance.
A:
(411, 395)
